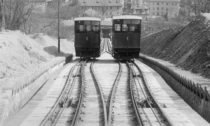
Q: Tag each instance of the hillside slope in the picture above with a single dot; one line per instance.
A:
(187, 47)
(21, 54)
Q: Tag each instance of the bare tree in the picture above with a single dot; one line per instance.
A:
(207, 6)
(15, 13)
(2, 15)
(91, 12)
(104, 8)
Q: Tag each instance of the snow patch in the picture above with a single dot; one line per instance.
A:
(23, 59)
(68, 22)
(206, 15)
(20, 53)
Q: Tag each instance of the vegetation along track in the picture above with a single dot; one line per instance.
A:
(63, 100)
(147, 110)
(91, 109)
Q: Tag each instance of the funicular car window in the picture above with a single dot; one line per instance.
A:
(87, 26)
(124, 27)
(117, 27)
(95, 26)
(79, 26)
(134, 26)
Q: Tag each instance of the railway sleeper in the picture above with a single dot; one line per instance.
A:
(146, 104)
(65, 102)
(61, 104)
(137, 75)
(68, 103)
(74, 103)
(76, 75)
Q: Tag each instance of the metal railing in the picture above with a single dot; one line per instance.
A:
(196, 96)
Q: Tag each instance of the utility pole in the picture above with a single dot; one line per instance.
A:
(10, 9)
(58, 26)
(195, 6)
(3, 18)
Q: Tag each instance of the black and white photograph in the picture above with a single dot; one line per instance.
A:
(104, 62)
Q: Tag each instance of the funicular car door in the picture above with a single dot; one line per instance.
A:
(119, 37)
(92, 34)
(95, 34)
(80, 34)
(88, 34)
(125, 31)
(133, 34)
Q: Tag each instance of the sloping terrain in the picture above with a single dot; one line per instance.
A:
(22, 55)
(186, 47)
(25, 62)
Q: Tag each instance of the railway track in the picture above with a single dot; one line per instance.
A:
(81, 96)
(112, 95)
(106, 46)
(109, 47)
(128, 104)
(63, 100)
(67, 115)
(121, 111)
(100, 92)
(147, 110)
(102, 46)
(91, 108)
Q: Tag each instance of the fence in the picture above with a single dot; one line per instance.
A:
(196, 96)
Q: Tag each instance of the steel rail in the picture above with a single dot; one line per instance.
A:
(113, 92)
(142, 110)
(81, 95)
(103, 47)
(148, 93)
(108, 47)
(69, 92)
(51, 114)
(134, 103)
(100, 93)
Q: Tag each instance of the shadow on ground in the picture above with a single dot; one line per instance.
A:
(53, 50)
(108, 61)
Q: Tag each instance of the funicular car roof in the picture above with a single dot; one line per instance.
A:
(127, 17)
(87, 19)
